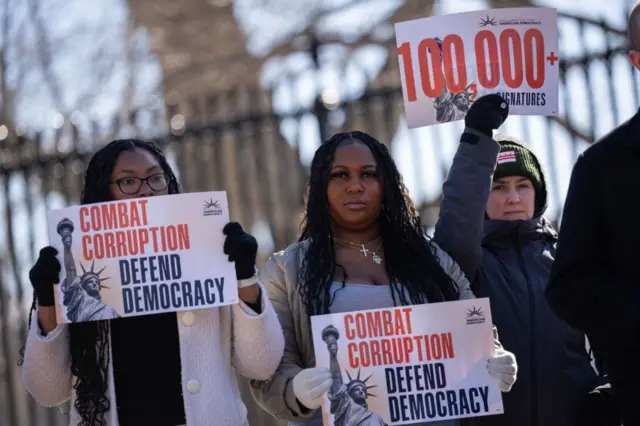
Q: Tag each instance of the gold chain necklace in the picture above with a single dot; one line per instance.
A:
(362, 249)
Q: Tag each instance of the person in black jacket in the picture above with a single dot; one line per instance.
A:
(491, 222)
(594, 285)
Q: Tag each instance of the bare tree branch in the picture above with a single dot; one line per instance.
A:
(45, 56)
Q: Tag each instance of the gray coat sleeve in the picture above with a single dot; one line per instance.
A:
(465, 194)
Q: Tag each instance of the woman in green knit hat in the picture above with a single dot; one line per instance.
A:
(491, 223)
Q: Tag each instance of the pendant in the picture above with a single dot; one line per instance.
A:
(377, 259)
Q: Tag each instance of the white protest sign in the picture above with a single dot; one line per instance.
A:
(142, 256)
(448, 61)
(408, 364)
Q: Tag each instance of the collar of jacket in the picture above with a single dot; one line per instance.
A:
(506, 233)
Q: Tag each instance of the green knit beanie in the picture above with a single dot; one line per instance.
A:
(516, 159)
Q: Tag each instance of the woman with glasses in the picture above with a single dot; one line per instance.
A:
(166, 369)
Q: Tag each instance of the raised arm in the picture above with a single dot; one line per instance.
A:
(467, 187)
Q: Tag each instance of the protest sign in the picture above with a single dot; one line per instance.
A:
(448, 61)
(142, 256)
(408, 364)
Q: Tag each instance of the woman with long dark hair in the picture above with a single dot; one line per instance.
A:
(165, 369)
(362, 247)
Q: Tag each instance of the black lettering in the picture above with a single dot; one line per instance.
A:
(452, 402)
(416, 371)
(401, 388)
(394, 411)
(127, 300)
(163, 266)
(475, 406)
(441, 377)
(220, 286)
(125, 275)
(134, 270)
(430, 405)
(440, 397)
(165, 297)
(484, 394)
(137, 298)
(176, 267)
(416, 406)
(186, 293)
(175, 295)
(152, 268)
(151, 298)
(390, 380)
(143, 269)
(464, 403)
(209, 287)
(403, 408)
(199, 293)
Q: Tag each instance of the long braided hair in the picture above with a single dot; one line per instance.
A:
(410, 260)
(89, 341)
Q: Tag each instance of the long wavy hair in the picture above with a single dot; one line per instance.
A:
(410, 260)
(89, 341)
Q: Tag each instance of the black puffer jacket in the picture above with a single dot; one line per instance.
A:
(509, 262)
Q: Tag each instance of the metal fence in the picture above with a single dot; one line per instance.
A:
(257, 155)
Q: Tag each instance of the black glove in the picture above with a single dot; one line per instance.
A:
(487, 113)
(241, 248)
(44, 274)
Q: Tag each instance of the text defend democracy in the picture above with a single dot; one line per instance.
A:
(439, 404)
(154, 283)
(391, 347)
(121, 230)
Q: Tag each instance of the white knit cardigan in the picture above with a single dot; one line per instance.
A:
(212, 341)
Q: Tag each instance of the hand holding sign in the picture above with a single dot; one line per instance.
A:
(44, 274)
(503, 368)
(487, 114)
(242, 249)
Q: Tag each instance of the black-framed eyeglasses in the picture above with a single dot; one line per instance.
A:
(131, 185)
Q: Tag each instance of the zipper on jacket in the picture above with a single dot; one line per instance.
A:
(532, 319)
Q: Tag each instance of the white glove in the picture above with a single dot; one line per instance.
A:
(503, 368)
(310, 385)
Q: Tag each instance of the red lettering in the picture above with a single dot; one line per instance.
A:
(143, 204)
(361, 326)
(365, 359)
(96, 223)
(447, 345)
(123, 218)
(109, 217)
(386, 321)
(407, 313)
(374, 346)
(122, 244)
(172, 238)
(84, 222)
(183, 237)
(109, 245)
(144, 239)
(399, 323)
(135, 216)
(352, 349)
(98, 246)
(87, 253)
(386, 351)
(348, 321)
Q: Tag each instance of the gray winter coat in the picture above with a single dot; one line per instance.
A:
(509, 262)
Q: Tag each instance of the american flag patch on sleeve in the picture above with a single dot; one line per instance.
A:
(507, 157)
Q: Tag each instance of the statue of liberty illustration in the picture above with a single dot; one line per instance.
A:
(81, 294)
